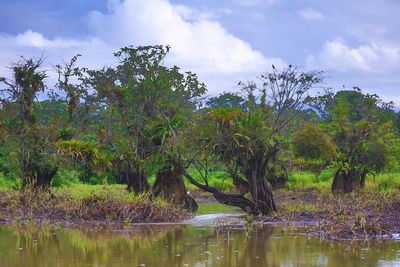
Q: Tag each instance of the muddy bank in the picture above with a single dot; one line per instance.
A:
(362, 214)
(17, 206)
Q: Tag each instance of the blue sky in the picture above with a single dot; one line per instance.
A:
(357, 42)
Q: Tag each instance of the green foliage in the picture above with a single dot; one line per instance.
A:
(144, 106)
(9, 181)
(65, 178)
(29, 138)
(135, 118)
(83, 152)
(311, 142)
(227, 100)
(353, 123)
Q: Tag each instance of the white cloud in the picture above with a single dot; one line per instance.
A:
(198, 41)
(336, 55)
(248, 3)
(309, 13)
(32, 44)
(372, 66)
(189, 14)
(201, 43)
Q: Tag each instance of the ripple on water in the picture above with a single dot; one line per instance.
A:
(215, 219)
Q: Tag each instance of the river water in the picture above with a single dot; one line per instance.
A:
(206, 240)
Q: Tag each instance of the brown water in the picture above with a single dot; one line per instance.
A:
(187, 245)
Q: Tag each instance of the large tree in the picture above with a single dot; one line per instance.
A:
(31, 138)
(354, 121)
(251, 138)
(145, 106)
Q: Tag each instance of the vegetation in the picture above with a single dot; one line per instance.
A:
(362, 214)
(150, 127)
(79, 205)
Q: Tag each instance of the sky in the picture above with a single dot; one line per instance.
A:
(356, 42)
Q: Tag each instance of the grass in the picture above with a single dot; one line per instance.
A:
(215, 208)
(389, 182)
(384, 181)
(363, 214)
(82, 203)
(304, 180)
(217, 178)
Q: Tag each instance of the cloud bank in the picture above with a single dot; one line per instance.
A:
(372, 65)
(198, 42)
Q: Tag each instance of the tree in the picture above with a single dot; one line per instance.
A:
(226, 100)
(31, 138)
(353, 120)
(252, 138)
(312, 144)
(145, 106)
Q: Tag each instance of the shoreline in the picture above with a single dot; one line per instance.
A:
(365, 214)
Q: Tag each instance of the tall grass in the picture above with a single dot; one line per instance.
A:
(305, 180)
(69, 180)
(384, 181)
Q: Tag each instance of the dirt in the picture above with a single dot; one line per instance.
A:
(360, 215)
(18, 206)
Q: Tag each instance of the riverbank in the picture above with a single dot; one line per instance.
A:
(362, 214)
(80, 205)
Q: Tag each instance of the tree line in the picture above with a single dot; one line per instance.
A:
(142, 118)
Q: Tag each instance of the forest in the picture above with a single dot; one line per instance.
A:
(152, 130)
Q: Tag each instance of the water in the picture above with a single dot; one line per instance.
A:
(204, 242)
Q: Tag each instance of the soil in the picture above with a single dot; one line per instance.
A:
(360, 215)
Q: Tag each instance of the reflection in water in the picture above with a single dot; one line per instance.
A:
(186, 245)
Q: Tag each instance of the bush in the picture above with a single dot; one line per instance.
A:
(10, 181)
(65, 178)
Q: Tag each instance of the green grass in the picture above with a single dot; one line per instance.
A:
(116, 191)
(384, 181)
(215, 208)
(69, 180)
(304, 180)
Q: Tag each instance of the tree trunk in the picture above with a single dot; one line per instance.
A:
(277, 182)
(345, 182)
(38, 177)
(262, 196)
(261, 193)
(169, 185)
(228, 199)
(241, 185)
(137, 181)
